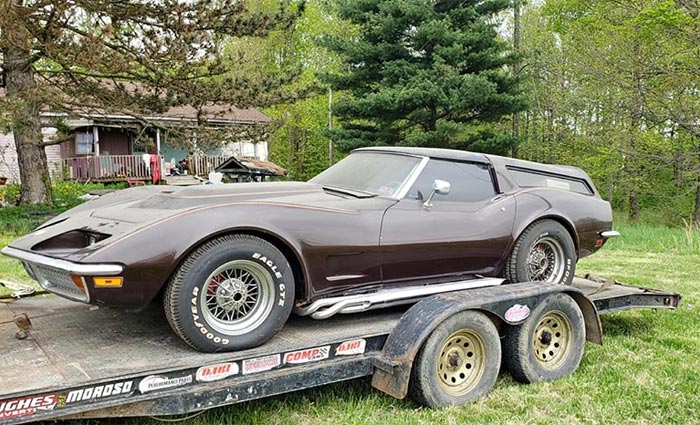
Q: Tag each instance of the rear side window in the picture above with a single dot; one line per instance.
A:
(531, 178)
(469, 182)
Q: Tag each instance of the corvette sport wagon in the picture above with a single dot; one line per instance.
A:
(384, 226)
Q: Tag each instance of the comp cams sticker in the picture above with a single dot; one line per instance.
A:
(308, 355)
(160, 382)
(26, 406)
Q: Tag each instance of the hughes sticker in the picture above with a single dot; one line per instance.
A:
(261, 364)
(100, 391)
(349, 348)
(26, 406)
(159, 382)
(216, 372)
(517, 313)
(308, 355)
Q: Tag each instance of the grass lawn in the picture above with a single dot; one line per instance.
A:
(648, 370)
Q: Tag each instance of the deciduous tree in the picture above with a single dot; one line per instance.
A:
(134, 57)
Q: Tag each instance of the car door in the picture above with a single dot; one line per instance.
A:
(463, 232)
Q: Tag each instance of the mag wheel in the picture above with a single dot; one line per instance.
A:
(233, 292)
(458, 362)
(544, 252)
(549, 344)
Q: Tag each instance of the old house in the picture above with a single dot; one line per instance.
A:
(111, 147)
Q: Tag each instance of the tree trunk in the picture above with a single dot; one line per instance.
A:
(636, 116)
(696, 211)
(26, 125)
(516, 72)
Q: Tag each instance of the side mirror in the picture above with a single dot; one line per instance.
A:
(440, 187)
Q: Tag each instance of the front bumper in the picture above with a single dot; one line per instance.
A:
(57, 275)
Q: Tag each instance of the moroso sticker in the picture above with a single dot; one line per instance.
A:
(159, 382)
(26, 406)
(261, 364)
(100, 391)
(350, 348)
(216, 372)
(308, 355)
(517, 313)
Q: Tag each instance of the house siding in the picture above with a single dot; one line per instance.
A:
(8, 157)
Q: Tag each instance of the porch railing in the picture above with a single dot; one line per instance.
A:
(107, 167)
(202, 165)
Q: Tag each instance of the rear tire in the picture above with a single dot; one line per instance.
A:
(544, 252)
(233, 292)
(458, 362)
(549, 344)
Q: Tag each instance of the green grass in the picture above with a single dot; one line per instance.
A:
(647, 371)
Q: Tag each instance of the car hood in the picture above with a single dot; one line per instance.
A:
(124, 211)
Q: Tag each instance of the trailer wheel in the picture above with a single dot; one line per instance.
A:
(549, 344)
(232, 293)
(458, 362)
(544, 252)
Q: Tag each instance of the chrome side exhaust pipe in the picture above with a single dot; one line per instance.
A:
(327, 307)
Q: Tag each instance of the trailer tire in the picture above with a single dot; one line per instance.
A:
(458, 362)
(231, 293)
(544, 252)
(549, 344)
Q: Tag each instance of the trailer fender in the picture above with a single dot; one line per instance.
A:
(505, 305)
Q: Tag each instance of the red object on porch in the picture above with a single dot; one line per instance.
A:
(155, 168)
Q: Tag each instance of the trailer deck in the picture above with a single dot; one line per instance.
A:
(82, 361)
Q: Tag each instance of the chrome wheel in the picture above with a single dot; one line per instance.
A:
(461, 362)
(237, 297)
(545, 261)
(552, 341)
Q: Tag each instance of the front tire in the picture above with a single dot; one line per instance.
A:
(458, 362)
(232, 293)
(544, 252)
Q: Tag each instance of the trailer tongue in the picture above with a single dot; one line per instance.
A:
(80, 361)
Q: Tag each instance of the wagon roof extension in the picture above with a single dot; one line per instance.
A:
(497, 161)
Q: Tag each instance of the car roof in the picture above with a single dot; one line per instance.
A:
(496, 160)
(430, 152)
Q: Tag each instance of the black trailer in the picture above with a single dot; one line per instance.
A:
(77, 361)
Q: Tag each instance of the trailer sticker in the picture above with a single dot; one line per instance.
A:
(26, 406)
(216, 372)
(100, 391)
(308, 355)
(349, 348)
(159, 382)
(517, 313)
(261, 364)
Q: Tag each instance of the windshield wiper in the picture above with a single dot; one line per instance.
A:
(352, 192)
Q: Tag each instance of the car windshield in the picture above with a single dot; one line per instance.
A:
(376, 173)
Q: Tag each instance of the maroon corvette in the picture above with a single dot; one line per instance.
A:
(384, 226)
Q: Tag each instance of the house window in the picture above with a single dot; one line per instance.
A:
(83, 143)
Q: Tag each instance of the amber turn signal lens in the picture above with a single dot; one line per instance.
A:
(79, 282)
(108, 282)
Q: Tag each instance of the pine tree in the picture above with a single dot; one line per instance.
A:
(424, 73)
